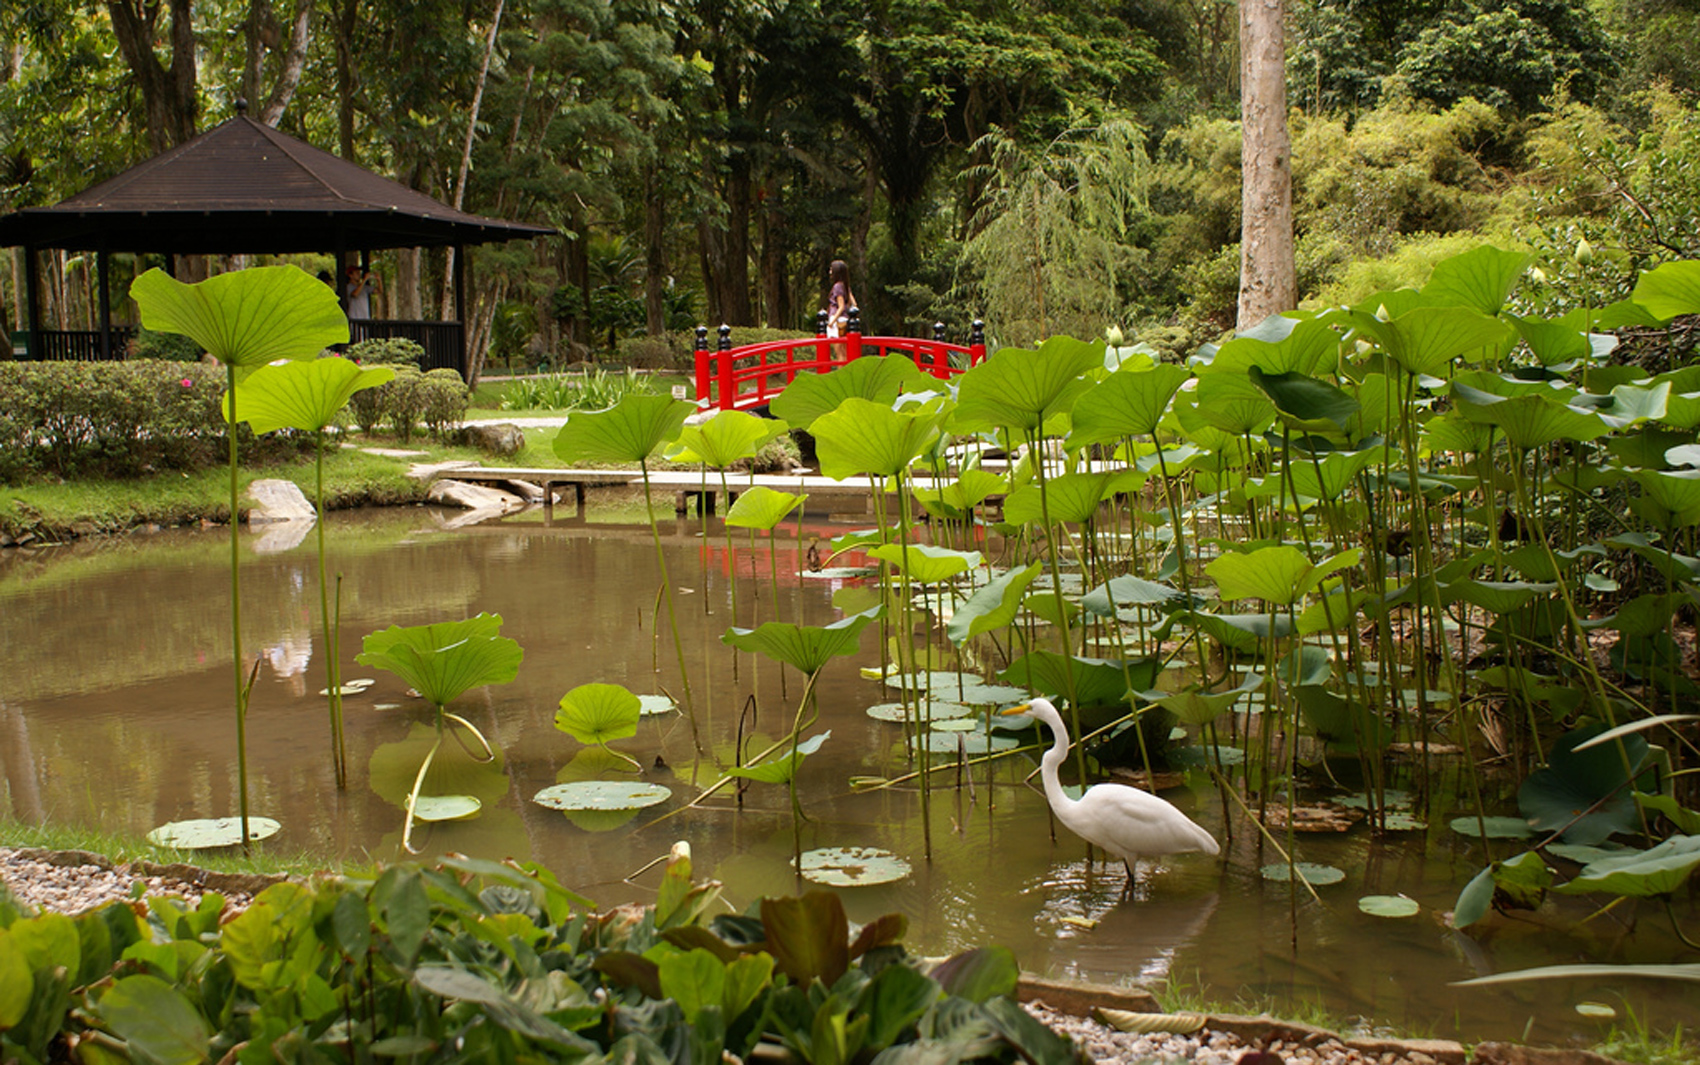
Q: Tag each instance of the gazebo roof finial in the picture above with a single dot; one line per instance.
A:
(241, 105)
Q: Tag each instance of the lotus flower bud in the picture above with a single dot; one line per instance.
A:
(1113, 336)
(1584, 252)
(1537, 275)
(1381, 312)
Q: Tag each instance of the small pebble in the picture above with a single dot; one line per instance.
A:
(77, 889)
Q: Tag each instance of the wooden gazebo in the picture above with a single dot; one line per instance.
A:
(243, 187)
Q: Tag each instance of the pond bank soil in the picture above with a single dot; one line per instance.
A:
(1092, 1015)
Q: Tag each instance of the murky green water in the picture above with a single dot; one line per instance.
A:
(115, 712)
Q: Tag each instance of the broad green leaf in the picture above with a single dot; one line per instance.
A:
(155, 1018)
(1583, 792)
(1305, 400)
(1279, 575)
(1685, 820)
(880, 380)
(1669, 290)
(1528, 421)
(1454, 432)
(1425, 340)
(1125, 404)
(1018, 389)
(863, 437)
(432, 808)
(1674, 495)
(898, 996)
(1475, 900)
(980, 974)
(210, 833)
(726, 437)
(926, 563)
(1278, 345)
(852, 866)
(1480, 279)
(631, 431)
(245, 318)
(47, 941)
(1072, 497)
(1199, 707)
(693, 979)
(1116, 595)
(1652, 873)
(17, 982)
(1552, 342)
(1232, 403)
(598, 713)
(745, 979)
(807, 647)
(992, 607)
(809, 937)
(1495, 827)
(1389, 906)
(1631, 405)
(301, 395)
(1496, 597)
(1094, 681)
(782, 767)
(761, 507)
(446, 659)
(1521, 882)
(1240, 631)
(602, 795)
(1310, 872)
(1338, 471)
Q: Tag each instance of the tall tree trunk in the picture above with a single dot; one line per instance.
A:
(1268, 284)
(294, 59)
(654, 252)
(775, 308)
(405, 296)
(466, 157)
(711, 250)
(734, 280)
(168, 93)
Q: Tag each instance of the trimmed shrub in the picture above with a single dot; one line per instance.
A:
(446, 398)
(387, 351)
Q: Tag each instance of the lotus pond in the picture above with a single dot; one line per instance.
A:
(114, 654)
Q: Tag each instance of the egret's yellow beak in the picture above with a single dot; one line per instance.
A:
(1022, 709)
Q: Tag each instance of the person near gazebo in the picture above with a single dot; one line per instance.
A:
(360, 288)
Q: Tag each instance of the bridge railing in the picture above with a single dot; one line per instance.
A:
(738, 378)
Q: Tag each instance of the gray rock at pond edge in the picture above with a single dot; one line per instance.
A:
(472, 496)
(278, 500)
(525, 490)
(495, 438)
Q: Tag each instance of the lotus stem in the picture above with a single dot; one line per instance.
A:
(489, 754)
(418, 784)
(236, 612)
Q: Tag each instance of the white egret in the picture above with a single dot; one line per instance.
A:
(1125, 821)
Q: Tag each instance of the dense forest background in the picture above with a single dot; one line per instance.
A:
(1060, 166)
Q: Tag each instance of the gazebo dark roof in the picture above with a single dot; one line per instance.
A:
(245, 187)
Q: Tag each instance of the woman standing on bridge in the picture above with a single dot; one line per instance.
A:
(840, 300)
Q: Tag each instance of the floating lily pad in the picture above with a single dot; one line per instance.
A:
(1311, 873)
(940, 710)
(838, 573)
(852, 866)
(209, 833)
(656, 704)
(979, 693)
(351, 688)
(1201, 756)
(602, 795)
(1392, 798)
(940, 682)
(446, 808)
(1399, 821)
(1598, 1011)
(1389, 906)
(1497, 827)
(970, 743)
(386, 706)
(956, 724)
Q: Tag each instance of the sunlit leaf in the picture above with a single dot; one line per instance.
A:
(1017, 389)
(926, 563)
(852, 866)
(602, 795)
(247, 317)
(784, 766)
(991, 607)
(1669, 290)
(1480, 279)
(598, 713)
(1425, 340)
(761, 507)
(1389, 906)
(726, 437)
(156, 1019)
(1125, 404)
(1278, 575)
(863, 437)
(303, 395)
(807, 647)
(632, 430)
(1659, 871)
(880, 380)
(441, 661)
(210, 833)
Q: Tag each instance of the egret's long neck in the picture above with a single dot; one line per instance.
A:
(1056, 756)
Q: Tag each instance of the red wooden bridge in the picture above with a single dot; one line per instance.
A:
(750, 376)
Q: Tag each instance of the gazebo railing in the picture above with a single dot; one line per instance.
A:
(444, 342)
(73, 345)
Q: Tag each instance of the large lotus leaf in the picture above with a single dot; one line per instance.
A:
(926, 563)
(1529, 421)
(1674, 493)
(445, 659)
(1124, 404)
(1552, 342)
(245, 317)
(1122, 592)
(1280, 574)
(1306, 401)
(1338, 469)
(1479, 279)
(1232, 403)
(1017, 389)
(1659, 871)
(972, 487)
(1278, 345)
(602, 795)
(1332, 612)
(598, 713)
(762, 507)
(301, 395)
(1095, 681)
(1242, 632)
(1589, 787)
(631, 431)
(880, 380)
(1344, 724)
(726, 437)
(1072, 497)
(1454, 432)
(992, 607)
(782, 767)
(158, 1022)
(808, 647)
(864, 437)
(1496, 597)
(808, 936)
(1425, 340)
(1631, 405)
(1669, 290)
(1200, 707)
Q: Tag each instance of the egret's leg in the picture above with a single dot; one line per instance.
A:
(1128, 891)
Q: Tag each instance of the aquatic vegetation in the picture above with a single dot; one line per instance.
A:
(243, 319)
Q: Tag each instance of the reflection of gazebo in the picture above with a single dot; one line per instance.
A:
(242, 187)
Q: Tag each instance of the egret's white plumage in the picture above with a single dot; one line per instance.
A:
(1125, 821)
